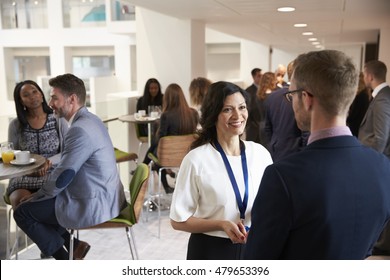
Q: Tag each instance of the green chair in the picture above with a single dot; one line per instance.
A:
(128, 216)
(122, 156)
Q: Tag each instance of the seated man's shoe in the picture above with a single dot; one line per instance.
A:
(43, 256)
(169, 190)
(81, 250)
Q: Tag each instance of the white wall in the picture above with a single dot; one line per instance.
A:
(280, 57)
(164, 49)
(253, 55)
(384, 47)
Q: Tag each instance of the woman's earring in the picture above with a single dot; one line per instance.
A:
(24, 108)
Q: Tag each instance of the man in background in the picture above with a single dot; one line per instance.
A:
(254, 87)
(252, 132)
(284, 136)
(374, 130)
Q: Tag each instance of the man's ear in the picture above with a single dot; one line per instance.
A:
(74, 99)
(307, 101)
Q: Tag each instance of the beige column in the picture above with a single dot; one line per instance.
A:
(384, 49)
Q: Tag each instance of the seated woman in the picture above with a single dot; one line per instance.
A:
(38, 130)
(177, 118)
(152, 97)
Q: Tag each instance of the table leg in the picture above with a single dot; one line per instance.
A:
(149, 134)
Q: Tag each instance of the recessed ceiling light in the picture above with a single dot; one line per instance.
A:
(312, 39)
(300, 25)
(286, 9)
(315, 43)
(307, 33)
(318, 47)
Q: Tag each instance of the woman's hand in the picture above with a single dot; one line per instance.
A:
(25, 198)
(236, 232)
(43, 171)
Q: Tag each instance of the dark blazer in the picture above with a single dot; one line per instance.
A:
(374, 130)
(357, 110)
(254, 116)
(281, 128)
(329, 201)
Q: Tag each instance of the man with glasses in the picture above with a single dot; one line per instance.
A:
(332, 199)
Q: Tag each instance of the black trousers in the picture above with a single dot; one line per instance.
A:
(205, 247)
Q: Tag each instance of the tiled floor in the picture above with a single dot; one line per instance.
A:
(111, 244)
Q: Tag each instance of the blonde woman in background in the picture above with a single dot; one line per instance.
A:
(198, 90)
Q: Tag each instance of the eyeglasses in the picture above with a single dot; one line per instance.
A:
(290, 94)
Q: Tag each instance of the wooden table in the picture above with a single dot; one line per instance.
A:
(8, 171)
(144, 120)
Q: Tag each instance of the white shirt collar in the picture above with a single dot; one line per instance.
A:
(71, 119)
(378, 88)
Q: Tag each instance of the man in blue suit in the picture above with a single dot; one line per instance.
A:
(85, 188)
(332, 199)
(374, 130)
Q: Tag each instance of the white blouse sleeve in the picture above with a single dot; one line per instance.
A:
(186, 195)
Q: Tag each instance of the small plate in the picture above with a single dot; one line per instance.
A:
(145, 119)
(14, 162)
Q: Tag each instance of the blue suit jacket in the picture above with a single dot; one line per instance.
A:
(330, 201)
(281, 128)
(86, 182)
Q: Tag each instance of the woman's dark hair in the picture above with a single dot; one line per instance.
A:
(146, 99)
(20, 111)
(211, 107)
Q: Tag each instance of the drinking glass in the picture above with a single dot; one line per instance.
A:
(7, 152)
(150, 109)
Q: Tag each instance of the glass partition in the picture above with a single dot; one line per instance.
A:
(84, 13)
(122, 10)
(23, 14)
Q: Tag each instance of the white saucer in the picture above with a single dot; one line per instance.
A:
(14, 162)
(145, 119)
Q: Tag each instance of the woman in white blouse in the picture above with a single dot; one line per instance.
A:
(219, 178)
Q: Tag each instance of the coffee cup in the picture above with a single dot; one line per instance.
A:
(142, 113)
(22, 156)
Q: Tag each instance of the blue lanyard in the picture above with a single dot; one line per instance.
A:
(242, 203)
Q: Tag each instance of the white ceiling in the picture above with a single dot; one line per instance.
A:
(334, 23)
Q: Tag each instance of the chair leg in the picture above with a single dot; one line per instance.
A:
(15, 247)
(132, 245)
(150, 191)
(139, 148)
(71, 244)
(10, 249)
(159, 194)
